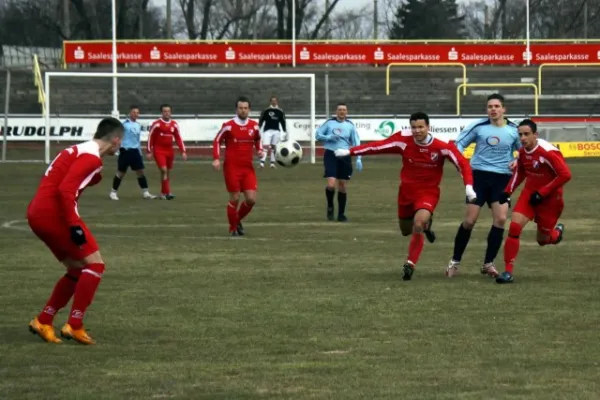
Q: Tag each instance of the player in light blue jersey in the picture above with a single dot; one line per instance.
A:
(130, 155)
(338, 133)
(496, 140)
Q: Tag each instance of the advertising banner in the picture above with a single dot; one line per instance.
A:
(77, 52)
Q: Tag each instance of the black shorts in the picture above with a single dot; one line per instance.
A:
(338, 168)
(489, 186)
(130, 158)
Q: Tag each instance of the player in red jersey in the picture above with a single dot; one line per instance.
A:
(54, 218)
(423, 159)
(160, 146)
(241, 137)
(545, 172)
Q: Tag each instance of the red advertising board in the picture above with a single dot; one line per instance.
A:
(334, 53)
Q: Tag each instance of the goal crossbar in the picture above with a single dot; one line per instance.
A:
(51, 74)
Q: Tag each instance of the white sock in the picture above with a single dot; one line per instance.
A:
(263, 158)
(272, 156)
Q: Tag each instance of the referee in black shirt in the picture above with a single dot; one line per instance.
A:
(270, 121)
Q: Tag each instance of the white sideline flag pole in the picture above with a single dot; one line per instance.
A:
(115, 110)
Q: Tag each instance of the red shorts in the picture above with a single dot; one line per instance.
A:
(240, 180)
(164, 159)
(410, 200)
(546, 214)
(57, 236)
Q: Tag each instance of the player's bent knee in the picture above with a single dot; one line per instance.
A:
(499, 220)
(515, 230)
(73, 264)
(94, 258)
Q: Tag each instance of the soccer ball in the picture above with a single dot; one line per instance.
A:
(288, 154)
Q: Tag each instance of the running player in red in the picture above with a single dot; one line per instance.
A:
(423, 159)
(54, 218)
(160, 146)
(545, 172)
(241, 137)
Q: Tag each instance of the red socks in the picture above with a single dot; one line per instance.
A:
(165, 186)
(232, 215)
(415, 247)
(511, 246)
(244, 210)
(62, 293)
(84, 293)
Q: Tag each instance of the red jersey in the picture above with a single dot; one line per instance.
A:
(161, 135)
(241, 138)
(73, 169)
(422, 164)
(544, 169)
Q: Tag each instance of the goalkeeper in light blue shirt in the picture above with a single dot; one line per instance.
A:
(338, 133)
(496, 140)
(130, 155)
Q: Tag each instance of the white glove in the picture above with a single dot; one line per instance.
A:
(284, 136)
(471, 195)
(342, 153)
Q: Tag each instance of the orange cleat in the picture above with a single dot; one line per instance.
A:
(78, 335)
(46, 332)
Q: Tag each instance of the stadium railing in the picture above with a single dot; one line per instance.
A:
(451, 64)
(491, 85)
(561, 65)
(39, 83)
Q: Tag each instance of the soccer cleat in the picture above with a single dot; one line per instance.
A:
(234, 234)
(505, 277)
(261, 165)
(452, 268)
(342, 218)
(148, 196)
(169, 196)
(489, 269)
(46, 332)
(408, 270)
(113, 196)
(561, 230)
(273, 166)
(240, 229)
(330, 213)
(78, 335)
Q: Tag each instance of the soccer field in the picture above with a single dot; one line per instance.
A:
(300, 308)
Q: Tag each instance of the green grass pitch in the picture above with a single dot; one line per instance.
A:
(300, 308)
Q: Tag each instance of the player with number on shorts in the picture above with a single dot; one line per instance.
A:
(545, 172)
(54, 218)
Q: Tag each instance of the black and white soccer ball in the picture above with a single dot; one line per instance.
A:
(288, 154)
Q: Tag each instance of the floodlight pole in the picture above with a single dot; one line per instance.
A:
(528, 51)
(294, 33)
(115, 110)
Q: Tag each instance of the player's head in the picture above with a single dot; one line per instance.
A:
(341, 111)
(242, 107)
(528, 134)
(495, 107)
(419, 126)
(273, 102)
(110, 133)
(165, 111)
(134, 112)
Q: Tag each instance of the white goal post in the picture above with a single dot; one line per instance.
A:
(48, 75)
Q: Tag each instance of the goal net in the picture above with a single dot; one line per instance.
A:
(76, 101)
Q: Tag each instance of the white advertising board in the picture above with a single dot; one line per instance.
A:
(205, 129)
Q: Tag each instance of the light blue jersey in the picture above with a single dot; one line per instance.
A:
(131, 138)
(336, 135)
(494, 146)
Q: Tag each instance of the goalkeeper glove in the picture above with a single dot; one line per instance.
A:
(471, 195)
(359, 164)
(77, 235)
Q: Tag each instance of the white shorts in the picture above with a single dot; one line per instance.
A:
(270, 137)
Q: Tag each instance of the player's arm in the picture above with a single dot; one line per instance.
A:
(560, 168)
(466, 137)
(283, 122)
(219, 139)
(517, 178)
(322, 134)
(391, 145)
(258, 142)
(179, 140)
(81, 173)
(262, 119)
(461, 163)
(154, 128)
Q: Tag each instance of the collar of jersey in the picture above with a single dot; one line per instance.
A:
(427, 142)
(239, 121)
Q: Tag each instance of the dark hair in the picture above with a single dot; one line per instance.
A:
(341, 104)
(419, 115)
(108, 128)
(529, 123)
(496, 96)
(165, 105)
(242, 99)
(133, 106)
